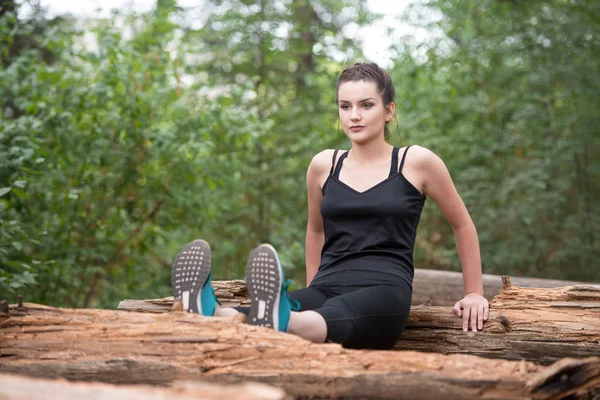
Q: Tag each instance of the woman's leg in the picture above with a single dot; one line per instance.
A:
(367, 318)
(304, 323)
(227, 312)
(309, 325)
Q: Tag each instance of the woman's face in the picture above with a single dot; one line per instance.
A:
(362, 112)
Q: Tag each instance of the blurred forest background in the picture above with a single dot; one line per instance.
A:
(184, 123)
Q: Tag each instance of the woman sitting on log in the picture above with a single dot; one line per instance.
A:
(364, 206)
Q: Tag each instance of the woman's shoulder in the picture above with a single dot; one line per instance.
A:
(324, 159)
(419, 156)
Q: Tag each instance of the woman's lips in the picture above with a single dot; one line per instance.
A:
(356, 128)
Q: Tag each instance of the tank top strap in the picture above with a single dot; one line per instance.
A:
(404, 158)
(338, 167)
(333, 161)
(394, 167)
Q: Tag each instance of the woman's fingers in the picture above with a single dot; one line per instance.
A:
(480, 313)
(466, 317)
(474, 311)
(457, 309)
(474, 317)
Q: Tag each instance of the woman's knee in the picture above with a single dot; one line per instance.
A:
(310, 298)
(373, 318)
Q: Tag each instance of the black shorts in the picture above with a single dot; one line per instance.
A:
(363, 309)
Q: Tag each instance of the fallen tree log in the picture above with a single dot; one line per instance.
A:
(539, 325)
(433, 287)
(146, 348)
(16, 387)
(232, 293)
(443, 288)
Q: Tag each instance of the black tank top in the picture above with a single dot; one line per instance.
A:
(372, 230)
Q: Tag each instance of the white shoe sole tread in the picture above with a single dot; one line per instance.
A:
(189, 271)
(263, 279)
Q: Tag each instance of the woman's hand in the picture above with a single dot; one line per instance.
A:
(473, 308)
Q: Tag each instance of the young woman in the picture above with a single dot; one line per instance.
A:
(364, 206)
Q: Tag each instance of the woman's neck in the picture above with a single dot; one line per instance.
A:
(371, 152)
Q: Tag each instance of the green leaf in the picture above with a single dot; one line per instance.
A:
(21, 194)
(20, 183)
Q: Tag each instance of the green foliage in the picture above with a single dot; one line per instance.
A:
(115, 154)
(509, 100)
(103, 146)
(135, 147)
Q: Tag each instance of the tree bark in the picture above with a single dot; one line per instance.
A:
(232, 293)
(540, 325)
(146, 348)
(23, 388)
(536, 324)
(444, 288)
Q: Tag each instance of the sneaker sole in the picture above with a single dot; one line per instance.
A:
(263, 279)
(189, 271)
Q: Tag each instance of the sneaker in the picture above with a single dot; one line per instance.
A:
(190, 278)
(270, 305)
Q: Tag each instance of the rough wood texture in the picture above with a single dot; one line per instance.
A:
(147, 348)
(16, 387)
(443, 288)
(539, 325)
(232, 293)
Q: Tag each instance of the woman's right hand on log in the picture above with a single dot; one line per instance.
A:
(474, 310)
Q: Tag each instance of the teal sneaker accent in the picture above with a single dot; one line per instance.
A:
(270, 304)
(207, 301)
(190, 279)
(286, 306)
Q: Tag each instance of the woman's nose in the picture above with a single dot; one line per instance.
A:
(355, 115)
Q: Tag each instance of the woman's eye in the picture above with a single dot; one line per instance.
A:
(344, 107)
(367, 105)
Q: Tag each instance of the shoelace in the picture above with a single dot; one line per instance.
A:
(294, 304)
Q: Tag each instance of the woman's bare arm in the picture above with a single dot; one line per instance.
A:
(315, 236)
(438, 185)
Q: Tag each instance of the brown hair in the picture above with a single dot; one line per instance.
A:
(369, 72)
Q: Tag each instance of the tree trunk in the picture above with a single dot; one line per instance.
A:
(539, 325)
(146, 348)
(22, 388)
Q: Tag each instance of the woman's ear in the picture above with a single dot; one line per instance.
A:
(390, 110)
